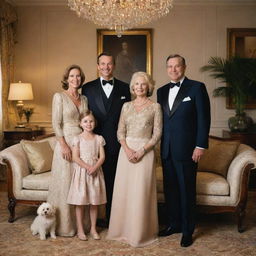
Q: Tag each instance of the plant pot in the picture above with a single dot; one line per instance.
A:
(239, 123)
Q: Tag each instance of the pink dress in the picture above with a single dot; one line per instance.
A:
(87, 189)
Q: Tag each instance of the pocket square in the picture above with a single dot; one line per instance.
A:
(186, 99)
(122, 97)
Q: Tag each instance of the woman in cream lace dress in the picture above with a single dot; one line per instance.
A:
(134, 208)
(66, 109)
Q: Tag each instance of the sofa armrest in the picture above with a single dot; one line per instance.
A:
(244, 161)
(243, 147)
(17, 164)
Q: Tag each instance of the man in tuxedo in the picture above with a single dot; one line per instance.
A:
(186, 123)
(106, 96)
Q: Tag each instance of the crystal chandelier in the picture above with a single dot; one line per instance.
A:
(120, 15)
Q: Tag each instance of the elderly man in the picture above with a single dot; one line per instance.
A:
(186, 123)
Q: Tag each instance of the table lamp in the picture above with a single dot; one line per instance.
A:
(20, 91)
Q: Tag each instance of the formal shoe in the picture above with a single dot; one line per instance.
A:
(186, 241)
(102, 223)
(82, 236)
(95, 235)
(168, 231)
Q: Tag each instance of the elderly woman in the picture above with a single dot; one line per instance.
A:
(66, 109)
(134, 207)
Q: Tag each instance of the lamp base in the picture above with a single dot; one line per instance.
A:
(20, 125)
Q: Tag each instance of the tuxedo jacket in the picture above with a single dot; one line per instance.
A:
(107, 118)
(187, 124)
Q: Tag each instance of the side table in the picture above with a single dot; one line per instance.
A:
(15, 135)
(248, 138)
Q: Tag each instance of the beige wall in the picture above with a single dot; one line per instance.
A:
(52, 37)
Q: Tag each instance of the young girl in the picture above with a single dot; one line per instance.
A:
(87, 185)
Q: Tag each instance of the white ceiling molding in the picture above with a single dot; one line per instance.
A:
(176, 2)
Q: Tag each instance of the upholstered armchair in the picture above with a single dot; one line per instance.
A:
(222, 178)
(23, 185)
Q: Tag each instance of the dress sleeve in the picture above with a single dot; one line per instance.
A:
(157, 126)
(75, 141)
(57, 114)
(121, 131)
(102, 141)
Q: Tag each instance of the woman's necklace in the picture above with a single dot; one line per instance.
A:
(74, 97)
(140, 104)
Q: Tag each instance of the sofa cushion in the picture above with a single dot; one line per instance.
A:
(218, 156)
(39, 155)
(37, 182)
(208, 183)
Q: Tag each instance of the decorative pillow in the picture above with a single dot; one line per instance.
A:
(39, 155)
(218, 156)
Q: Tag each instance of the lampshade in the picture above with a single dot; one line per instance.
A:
(20, 91)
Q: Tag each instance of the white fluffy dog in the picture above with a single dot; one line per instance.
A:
(45, 222)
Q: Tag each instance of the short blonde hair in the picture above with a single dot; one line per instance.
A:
(148, 80)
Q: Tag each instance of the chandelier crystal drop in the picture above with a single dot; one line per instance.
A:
(120, 15)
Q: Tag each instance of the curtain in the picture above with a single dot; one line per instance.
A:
(8, 23)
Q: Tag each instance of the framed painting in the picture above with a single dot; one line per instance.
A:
(241, 42)
(132, 51)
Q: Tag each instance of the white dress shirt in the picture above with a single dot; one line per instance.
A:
(107, 88)
(173, 93)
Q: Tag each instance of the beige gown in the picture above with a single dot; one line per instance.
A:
(65, 122)
(87, 189)
(134, 217)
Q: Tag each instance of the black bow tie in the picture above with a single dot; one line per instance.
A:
(174, 84)
(107, 82)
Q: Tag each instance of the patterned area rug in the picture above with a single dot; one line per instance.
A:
(215, 235)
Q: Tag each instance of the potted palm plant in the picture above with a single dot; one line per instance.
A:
(239, 74)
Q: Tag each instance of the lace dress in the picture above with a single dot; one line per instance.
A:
(134, 217)
(87, 189)
(65, 122)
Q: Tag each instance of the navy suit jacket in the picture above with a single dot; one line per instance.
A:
(107, 121)
(187, 124)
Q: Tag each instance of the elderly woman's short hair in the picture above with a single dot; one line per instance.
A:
(66, 74)
(148, 80)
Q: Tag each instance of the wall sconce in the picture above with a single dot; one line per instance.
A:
(20, 91)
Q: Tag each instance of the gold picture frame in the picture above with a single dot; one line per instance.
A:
(241, 42)
(132, 51)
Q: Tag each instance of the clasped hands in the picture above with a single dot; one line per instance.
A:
(91, 170)
(135, 156)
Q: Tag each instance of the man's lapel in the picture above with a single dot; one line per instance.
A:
(185, 86)
(165, 99)
(113, 96)
(98, 97)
